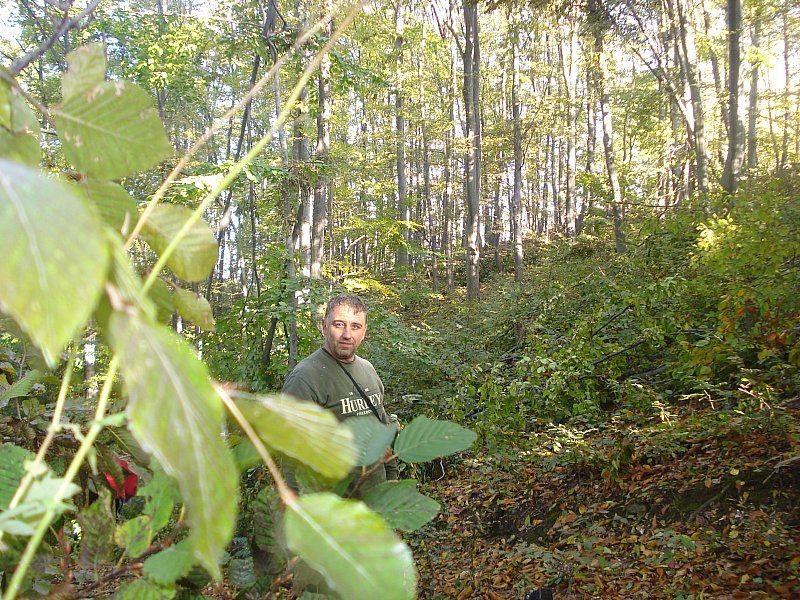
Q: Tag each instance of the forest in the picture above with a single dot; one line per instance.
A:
(576, 225)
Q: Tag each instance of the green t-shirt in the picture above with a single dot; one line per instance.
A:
(318, 378)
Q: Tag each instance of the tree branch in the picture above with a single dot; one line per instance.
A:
(66, 24)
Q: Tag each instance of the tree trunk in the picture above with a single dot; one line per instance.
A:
(601, 78)
(516, 199)
(472, 158)
(688, 54)
(322, 153)
(752, 109)
(403, 209)
(733, 161)
(568, 50)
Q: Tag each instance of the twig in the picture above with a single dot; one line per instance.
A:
(638, 342)
(63, 27)
(611, 318)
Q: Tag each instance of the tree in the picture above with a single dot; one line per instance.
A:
(735, 156)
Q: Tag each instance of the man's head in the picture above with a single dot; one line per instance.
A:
(344, 326)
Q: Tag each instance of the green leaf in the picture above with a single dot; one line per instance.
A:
(21, 387)
(114, 205)
(111, 131)
(134, 535)
(87, 69)
(193, 307)
(425, 439)
(55, 257)
(19, 128)
(401, 505)
(12, 470)
(143, 589)
(161, 295)
(196, 254)
(170, 564)
(40, 498)
(372, 439)
(359, 556)
(97, 524)
(174, 411)
(303, 430)
(161, 496)
(241, 572)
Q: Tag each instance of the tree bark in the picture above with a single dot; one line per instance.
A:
(735, 156)
(752, 109)
(403, 209)
(516, 199)
(601, 77)
(473, 153)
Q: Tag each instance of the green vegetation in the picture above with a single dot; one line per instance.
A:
(581, 267)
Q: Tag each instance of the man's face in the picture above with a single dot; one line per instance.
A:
(344, 331)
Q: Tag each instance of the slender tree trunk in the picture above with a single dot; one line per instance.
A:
(786, 89)
(688, 53)
(599, 25)
(591, 142)
(735, 156)
(752, 109)
(569, 70)
(473, 154)
(322, 153)
(403, 209)
(516, 199)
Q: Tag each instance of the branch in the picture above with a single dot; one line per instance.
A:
(67, 23)
(608, 322)
(638, 342)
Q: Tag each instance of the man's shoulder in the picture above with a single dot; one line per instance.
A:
(311, 363)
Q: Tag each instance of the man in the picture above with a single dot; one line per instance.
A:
(346, 384)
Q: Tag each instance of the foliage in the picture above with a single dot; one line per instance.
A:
(52, 284)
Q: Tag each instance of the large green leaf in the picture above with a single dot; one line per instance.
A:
(161, 295)
(170, 564)
(194, 308)
(196, 254)
(174, 411)
(143, 589)
(114, 205)
(425, 439)
(41, 497)
(401, 505)
(352, 547)
(87, 69)
(303, 430)
(21, 387)
(12, 470)
(97, 526)
(372, 438)
(111, 130)
(54, 257)
(19, 128)
(160, 495)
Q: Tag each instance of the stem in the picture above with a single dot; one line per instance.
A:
(287, 495)
(86, 445)
(25, 484)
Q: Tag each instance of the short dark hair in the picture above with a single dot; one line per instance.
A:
(349, 299)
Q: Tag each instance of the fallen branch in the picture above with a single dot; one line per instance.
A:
(609, 321)
(602, 359)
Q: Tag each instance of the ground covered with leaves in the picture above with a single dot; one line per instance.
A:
(704, 504)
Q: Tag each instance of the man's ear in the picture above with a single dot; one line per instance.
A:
(321, 326)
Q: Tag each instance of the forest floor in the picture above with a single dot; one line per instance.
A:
(704, 504)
